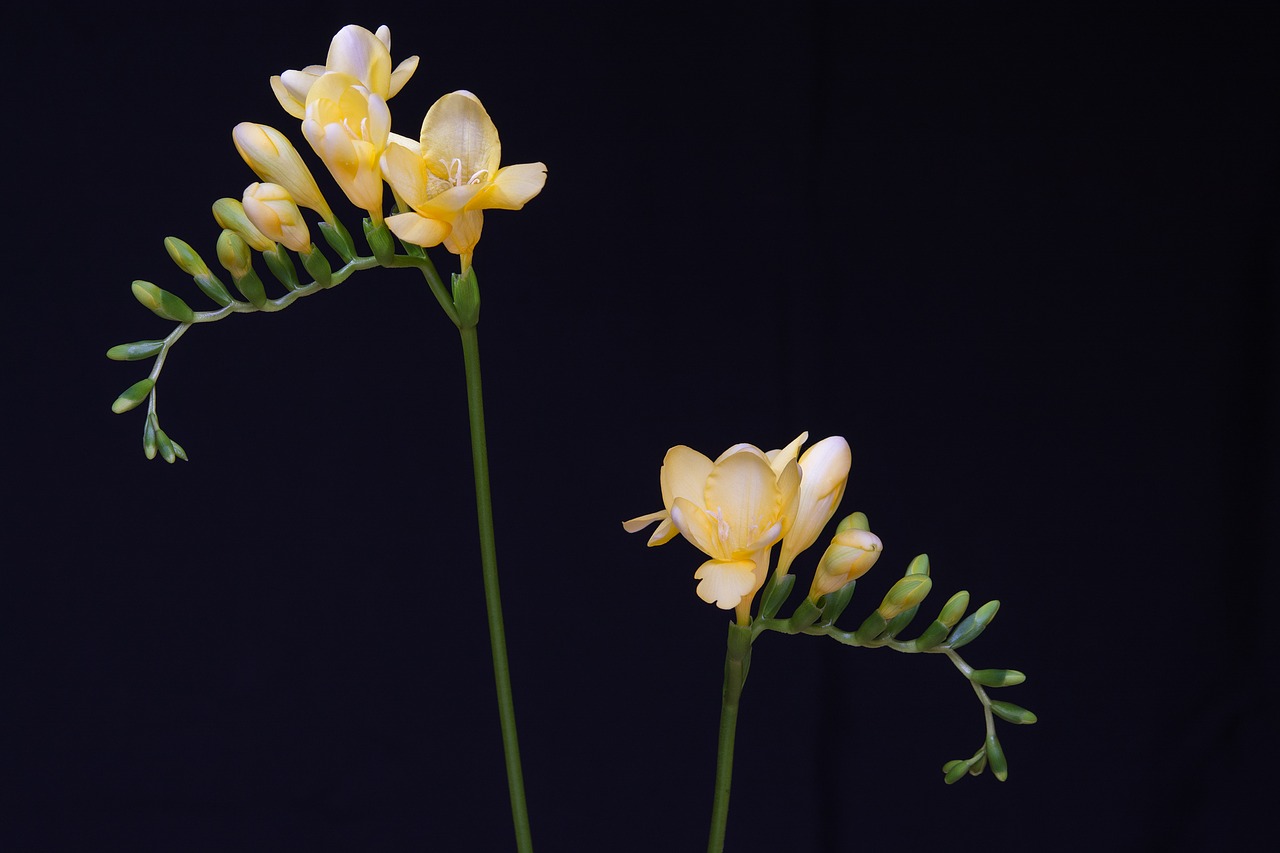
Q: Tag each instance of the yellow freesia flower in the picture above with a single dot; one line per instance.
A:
(348, 126)
(274, 159)
(273, 212)
(356, 52)
(452, 175)
(734, 510)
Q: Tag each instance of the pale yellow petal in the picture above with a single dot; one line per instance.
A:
(293, 105)
(742, 491)
(406, 173)
(402, 74)
(458, 128)
(725, 583)
(702, 531)
(418, 230)
(663, 533)
(640, 522)
(684, 474)
(739, 448)
(779, 458)
(360, 53)
(511, 187)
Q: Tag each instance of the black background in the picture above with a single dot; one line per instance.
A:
(1025, 260)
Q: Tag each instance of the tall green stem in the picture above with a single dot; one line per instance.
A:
(737, 661)
(492, 597)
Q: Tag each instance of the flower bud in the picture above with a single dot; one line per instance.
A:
(234, 253)
(849, 556)
(274, 212)
(230, 214)
(274, 159)
(187, 259)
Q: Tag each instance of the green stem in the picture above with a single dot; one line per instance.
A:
(737, 660)
(492, 598)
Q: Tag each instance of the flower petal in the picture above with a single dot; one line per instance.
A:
(418, 230)
(458, 128)
(684, 474)
(742, 491)
(725, 583)
(406, 173)
(698, 527)
(360, 53)
(640, 522)
(511, 187)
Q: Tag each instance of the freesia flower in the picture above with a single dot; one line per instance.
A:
(348, 126)
(356, 52)
(452, 175)
(274, 159)
(734, 510)
(273, 212)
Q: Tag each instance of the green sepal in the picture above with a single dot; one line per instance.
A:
(338, 239)
(932, 636)
(163, 303)
(317, 265)
(899, 623)
(1012, 713)
(149, 436)
(805, 615)
(973, 625)
(997, 677)
(739, 641)
(775, 594)
(381, 242)
(870, 628)
(281, 266)
(136, 351)
(167, 451)
(211, 286)
(132, 396)
(919, 566)
(466, 298)
(836, 602)
(252, 288)
(995, 757)
(979, 763)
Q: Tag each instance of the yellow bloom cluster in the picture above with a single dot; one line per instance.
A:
(738, 507)
(441, 182)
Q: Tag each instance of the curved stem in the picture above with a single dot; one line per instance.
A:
(492, 598)
(736, 662)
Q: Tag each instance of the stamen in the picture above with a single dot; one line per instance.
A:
(478, 176)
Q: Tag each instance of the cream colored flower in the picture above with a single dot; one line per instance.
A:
(348, 126)
(356, 52)
(452, 175)
(734, 510)
(274, 159)
(273, 212)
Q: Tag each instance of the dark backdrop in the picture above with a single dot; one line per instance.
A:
(1025, 260)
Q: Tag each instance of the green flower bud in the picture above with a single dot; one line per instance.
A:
(185, 257)
(229, 213)
(856, 521)
(234, 253)
(133, 395)
(973, 625)
(995, 758)
(905, 594)
(1012, 713)
(135, 351)
(954, 609)
(997, 677)
(162, 302)
(919, 566)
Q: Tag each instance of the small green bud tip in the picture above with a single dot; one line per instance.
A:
(997, 677)
(919, 566)
(905, 594)
(162, 303)
(1012, 713)
(187, 259)
(856, 521)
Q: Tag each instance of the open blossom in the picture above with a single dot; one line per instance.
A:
(453, 174)
(355, 52)
(734, 510)
(348, 126)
